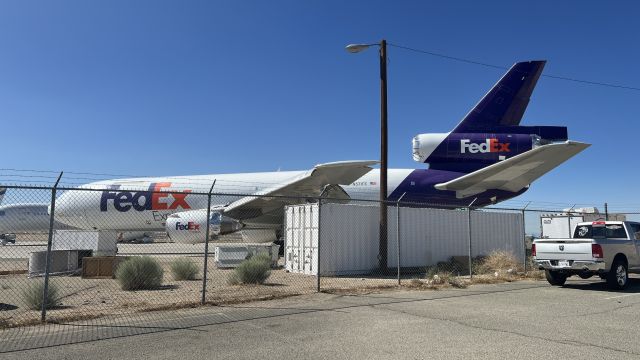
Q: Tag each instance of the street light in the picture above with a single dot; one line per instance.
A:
(355, 48)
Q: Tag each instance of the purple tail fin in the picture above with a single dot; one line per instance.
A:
(505, 103)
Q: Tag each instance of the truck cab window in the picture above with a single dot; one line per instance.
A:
(635, 229)
(615, 231)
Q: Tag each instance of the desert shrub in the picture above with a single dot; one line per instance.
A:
(255, 270)
(138, 273)
(32, 295)
(184, 269)
(499, 262)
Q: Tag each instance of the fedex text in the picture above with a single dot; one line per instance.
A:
(190, 226)
(489, 146)
(151, 199)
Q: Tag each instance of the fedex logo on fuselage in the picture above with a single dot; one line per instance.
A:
(190, 226)
(151, 199)
(489, 146)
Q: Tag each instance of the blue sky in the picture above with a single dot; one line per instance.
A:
(197, 87)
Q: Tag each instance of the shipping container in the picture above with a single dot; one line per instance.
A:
(349, 236)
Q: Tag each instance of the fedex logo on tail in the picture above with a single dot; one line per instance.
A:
(489, 146)
(151, 199)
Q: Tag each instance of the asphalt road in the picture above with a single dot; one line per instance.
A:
(522, 320)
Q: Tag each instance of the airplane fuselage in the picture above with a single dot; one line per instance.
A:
(146, 203)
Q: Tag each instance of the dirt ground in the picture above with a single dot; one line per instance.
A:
(87, 298)
(94, 298)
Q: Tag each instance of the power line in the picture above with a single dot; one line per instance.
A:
(468, 61)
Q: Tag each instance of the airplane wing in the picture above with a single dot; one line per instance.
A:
(323, 177)
(515, 173)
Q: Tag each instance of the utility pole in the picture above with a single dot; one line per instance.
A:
(382, 250)
(383, 158)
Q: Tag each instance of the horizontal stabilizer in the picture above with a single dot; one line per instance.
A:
(515, 173)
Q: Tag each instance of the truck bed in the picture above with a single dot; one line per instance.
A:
(564, 249)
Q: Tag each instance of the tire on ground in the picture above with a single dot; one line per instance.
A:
(618, 276)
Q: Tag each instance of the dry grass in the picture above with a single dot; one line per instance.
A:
(365, 290)
(501, 262)
(459, 283)
(417, 284)
(436, 281)
(534, 275)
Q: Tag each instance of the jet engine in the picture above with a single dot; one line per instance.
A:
(190, 227)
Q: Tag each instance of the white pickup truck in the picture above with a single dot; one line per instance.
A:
(609, 249)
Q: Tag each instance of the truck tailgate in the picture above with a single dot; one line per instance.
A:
(567, 249)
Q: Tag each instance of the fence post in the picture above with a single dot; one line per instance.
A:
(524, 243)
(318, 246)
(524, 236)
(45, 291)
(606, 212)
(398, 233)
(469, 226)
(569, 220)
(206, 246)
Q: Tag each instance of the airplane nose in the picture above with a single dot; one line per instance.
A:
(69, 209)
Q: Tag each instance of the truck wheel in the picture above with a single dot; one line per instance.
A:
(618, 276)
(555, 278)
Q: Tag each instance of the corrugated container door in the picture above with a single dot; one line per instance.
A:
(292, 239)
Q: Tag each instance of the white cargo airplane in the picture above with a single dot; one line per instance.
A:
(34, 218)
(169, 203)
(487, 158)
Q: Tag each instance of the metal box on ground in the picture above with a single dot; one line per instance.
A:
(349, 238)
(62, 262)
(101, 243)
(101, 267)
(231, 255)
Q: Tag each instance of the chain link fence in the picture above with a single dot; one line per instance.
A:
(85, 254)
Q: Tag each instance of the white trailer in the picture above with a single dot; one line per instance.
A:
(563, 225)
